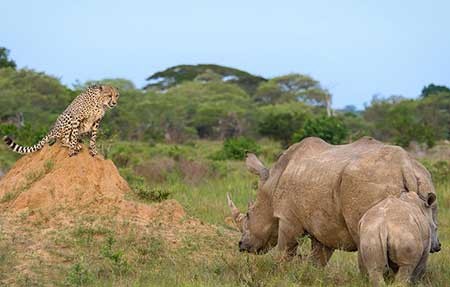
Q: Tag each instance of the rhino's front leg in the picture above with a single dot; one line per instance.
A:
(287, 238)
(320, 254)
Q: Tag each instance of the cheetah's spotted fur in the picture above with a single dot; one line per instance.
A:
(82, 116)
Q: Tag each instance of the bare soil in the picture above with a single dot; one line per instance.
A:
(47, 192)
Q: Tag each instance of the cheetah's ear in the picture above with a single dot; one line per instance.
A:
(100, 87)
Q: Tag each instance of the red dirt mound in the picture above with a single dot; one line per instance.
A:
(48, 199)
(49, 185)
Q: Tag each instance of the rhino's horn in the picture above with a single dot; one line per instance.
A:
(234, 210)
(237, 216)
(255, 166)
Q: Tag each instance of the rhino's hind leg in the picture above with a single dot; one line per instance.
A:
(320, 254)
(419, 271)
(404, 273)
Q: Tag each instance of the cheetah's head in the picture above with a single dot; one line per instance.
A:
(109, 96)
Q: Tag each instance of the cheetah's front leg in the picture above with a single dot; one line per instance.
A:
(74, 146)
(93, 140)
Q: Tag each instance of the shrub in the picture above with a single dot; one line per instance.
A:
(279, 122)
(26, 135)
(237, 148)
(440, 171)
(141, 189)
(330, 129)
(150, 193)
(115, 256)
(79, 275)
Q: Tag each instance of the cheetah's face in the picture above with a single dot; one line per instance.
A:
(109, 96)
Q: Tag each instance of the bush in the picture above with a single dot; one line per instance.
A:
(26, 135)
(279, 122)
(236, 148)
(141, 189)
(79, 275)
(330, 129)
(440, 171)
(149, 193)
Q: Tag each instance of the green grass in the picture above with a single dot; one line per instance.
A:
(103, 254)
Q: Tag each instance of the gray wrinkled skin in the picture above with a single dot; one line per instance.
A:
(397, 233)
(323, 190)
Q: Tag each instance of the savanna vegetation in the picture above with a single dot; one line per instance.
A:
(183, 136)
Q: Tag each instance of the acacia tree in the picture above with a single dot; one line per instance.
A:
(294, 87)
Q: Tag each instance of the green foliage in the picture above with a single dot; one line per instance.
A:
(119, 264)
(356, 125)
(32, 99)
(5, 62)
(440, 171)
(281, 121)
(203, 106)
(330, 129)
(184, 73)
(237, 148)
(270, 93)
(208, 76)
(26, 135)
(432, 89)
(434, 112)
(292, 88)
(79, 275)
(150, 193)
(119, 83)
(396, 119)
(142, 190)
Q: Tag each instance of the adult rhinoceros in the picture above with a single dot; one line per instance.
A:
(323, 190)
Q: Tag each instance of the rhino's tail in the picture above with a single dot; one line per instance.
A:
(26, 149)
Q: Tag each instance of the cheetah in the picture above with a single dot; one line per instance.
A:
(81, 117)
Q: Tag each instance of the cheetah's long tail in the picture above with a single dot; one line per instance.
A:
(26, 149)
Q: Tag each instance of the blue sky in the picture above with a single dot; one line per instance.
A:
(355, 48)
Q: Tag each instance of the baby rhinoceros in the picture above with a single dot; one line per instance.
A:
(397, 233)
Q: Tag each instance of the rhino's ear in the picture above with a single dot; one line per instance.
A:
(255, 166)
(410, 180)
(431, 198)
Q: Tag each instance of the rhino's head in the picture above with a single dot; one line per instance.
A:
(427, 193)
(258, 226)
(435, 243)
(428, 207)
(419, 181)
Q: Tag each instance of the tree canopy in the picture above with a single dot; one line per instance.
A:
(5, 62)
(178, 74)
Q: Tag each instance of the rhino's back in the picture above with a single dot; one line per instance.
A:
(371, 178)
(399, 218)
(328, 188)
